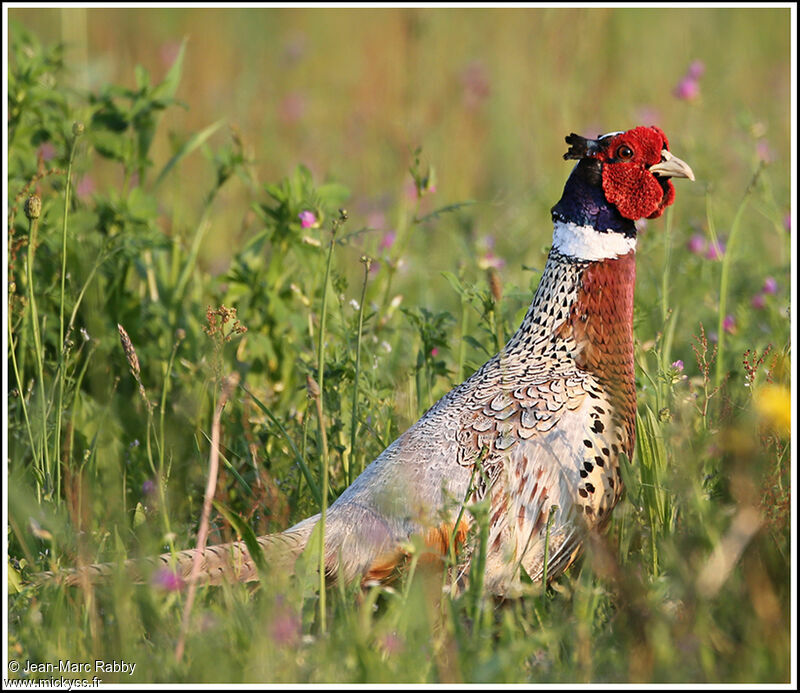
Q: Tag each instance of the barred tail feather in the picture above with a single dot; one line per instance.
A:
(219, 563)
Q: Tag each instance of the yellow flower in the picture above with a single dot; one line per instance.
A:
(774, 405)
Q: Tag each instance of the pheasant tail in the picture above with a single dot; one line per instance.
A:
(220, 563)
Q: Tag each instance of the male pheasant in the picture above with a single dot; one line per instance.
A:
(538, 428)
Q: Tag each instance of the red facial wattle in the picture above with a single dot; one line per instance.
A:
(627, 183)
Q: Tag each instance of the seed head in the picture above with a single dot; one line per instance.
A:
(495, 285)
(130, 352)
(312, 387)
(33, 207)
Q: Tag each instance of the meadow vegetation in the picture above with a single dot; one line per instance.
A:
(182, 221)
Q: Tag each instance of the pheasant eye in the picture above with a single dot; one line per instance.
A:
(624, 152)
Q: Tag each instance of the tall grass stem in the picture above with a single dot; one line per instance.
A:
(321, 416)
(354, 418)
(44, 458)
(62, 347)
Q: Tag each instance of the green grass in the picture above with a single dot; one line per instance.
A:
(157, 217)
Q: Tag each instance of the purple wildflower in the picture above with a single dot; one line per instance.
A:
(729, 324)
(759, 302)
(285, 628)
(678, 365)
(688, 88)
(697, 244)
(696, 69)
(489, 259)
(387, 241)
(167, 580)
(307, 219)
(770, 286)
(148, 487)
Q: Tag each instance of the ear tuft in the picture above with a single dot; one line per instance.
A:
(578, 146)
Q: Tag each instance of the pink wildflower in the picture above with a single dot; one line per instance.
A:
(489, 259)
(285, 628)
(167, 580)
(696, 69)
(697, 244)
(678, 365)
(688, 88)
(387, 241)
(770, 286)
(759, 302)
(729, 324)
(307, 219)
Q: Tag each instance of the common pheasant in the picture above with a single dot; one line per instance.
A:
(538, 428)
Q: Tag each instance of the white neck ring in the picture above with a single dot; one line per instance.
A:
(587, 243)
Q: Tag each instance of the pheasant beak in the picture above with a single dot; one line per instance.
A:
(671, 166)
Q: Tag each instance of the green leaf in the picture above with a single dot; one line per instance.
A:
(142, 77)
(142, 206)
(300, 460)
(167, 88)
(443, 210)
(247, 535)
(476, 344)
(188, 147)
(111, 145)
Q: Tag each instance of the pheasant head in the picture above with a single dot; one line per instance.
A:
(620, 177)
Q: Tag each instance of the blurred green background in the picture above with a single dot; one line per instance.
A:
(489, 95)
